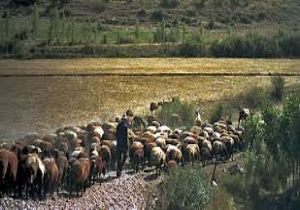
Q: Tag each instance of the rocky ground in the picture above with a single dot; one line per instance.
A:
(130, 191)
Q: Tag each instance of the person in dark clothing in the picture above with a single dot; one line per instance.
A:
(122, 144)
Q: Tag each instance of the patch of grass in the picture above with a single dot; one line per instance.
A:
(176, 107)
(186, 188)
(277, 88)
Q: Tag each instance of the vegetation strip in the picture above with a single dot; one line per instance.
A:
(249, 74)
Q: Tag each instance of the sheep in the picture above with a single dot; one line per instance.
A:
(8, 169)
(205, 155)
(161, 142)
(34, 170)
(154, 106)
(151, 129)
(172, 141)
(106, 154)
(207, 144)
(96, 168)
(229, 143)
(148, 146)
(190, 140)
(98, 131)
(219, 149)
(198, 120)
(138, 123)
(51, 176)
(196, 130)
(63, 165)
(79, 175)
(243, 114)
(136, 154)
(158, 159)
(113, 150)
(173, 153)
(191, 153)
(163, 129)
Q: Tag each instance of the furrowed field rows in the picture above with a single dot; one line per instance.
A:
(43, 104)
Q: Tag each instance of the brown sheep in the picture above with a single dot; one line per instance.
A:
(205, 155)
(174, 153)
(161, 142)
(63, 165)
(51, 176)
(79, 175)
(158, 159)
(105, 152)
(97, 168)
(8, 169)
(219, 149)
(113, 150)
(172, 141)
(154, 106)
(148, 146)
(191, 153)
(136, 154)
(34, 170)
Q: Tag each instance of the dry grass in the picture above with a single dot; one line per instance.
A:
(134, 65)
(43, 104)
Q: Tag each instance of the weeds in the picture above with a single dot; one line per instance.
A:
(186, 188)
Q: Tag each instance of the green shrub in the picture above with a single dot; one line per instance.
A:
(256, 97)
(199, 4)
(169, 3)
(123, 39)
(217, 113)
(159, 15)
(185, 112)
(211, 24)
(290, 44)
(186, 188)
(248, 46)
(98, 5)
(277, 88)
(191, 12)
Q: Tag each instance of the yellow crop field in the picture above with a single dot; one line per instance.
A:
(42, 104)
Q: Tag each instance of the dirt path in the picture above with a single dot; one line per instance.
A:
(127, 192)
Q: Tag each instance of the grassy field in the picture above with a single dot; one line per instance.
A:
(43, 104)
(149, 65)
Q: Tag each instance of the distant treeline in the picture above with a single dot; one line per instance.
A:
(60, 37)
(249, 46)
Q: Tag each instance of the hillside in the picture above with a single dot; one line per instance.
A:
(189, 12)
(143, 28)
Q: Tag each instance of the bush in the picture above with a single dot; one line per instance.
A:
(217, 113)
(122, 39)
(194, 47)
(290, 44)
(199, 4)
(191, 12)
(141, 13)
(183, 110)
(98, 5)
(159, 15)
(169, 3)
(277, 88)
(248, 46)
(186, 188)
(256, 97)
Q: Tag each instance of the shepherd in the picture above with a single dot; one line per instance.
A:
(122, 144)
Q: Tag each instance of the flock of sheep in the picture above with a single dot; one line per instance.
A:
(74, 157)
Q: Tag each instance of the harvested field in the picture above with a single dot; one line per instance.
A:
(43, 104)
